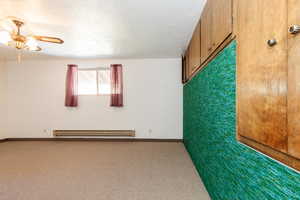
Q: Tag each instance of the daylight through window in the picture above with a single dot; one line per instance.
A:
(93, 81)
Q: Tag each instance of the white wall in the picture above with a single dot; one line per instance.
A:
(153, 99)
(3, 103)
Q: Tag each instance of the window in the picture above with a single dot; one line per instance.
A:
(94, 81)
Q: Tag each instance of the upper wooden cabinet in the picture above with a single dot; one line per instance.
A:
(206, 31)
(186, 72)
(194, 50)
(268, 71)
(187, 62)
(183, 70)
(222, 23)
(216, 25)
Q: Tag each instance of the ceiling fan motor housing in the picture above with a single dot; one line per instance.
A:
(18, 23)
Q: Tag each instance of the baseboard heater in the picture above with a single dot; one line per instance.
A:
(107, 133)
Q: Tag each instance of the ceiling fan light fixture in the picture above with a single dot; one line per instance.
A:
(5, 37)
(17, 44)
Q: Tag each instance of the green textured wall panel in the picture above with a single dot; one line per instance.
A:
(229, 170)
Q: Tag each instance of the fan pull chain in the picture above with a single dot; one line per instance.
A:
(19, 56)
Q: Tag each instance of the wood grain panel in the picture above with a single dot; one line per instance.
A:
(221, 21)
(234, 17)
(183, 67)
(194, 51)
(294, 80)
(262, 72)
(187, 63)
(206, 31)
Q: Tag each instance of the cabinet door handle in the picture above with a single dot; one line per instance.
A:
(272, 42)
(294, 29)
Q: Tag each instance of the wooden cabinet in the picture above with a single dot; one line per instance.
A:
(222, 23)
(183, 72)
(188, 67)
(262, 72)
(268, 71)
(206, 31)
(185, 67)
(216, 25)
(191, 59)
(194, 50)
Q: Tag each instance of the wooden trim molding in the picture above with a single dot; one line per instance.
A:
(3, 140)
(279, 156)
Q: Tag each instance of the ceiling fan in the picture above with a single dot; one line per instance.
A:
(12, 36)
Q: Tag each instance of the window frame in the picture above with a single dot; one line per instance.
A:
(97, 69)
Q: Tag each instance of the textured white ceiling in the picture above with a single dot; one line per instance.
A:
(107, 28)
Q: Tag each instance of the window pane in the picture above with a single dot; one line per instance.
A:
(87, 82)
(104, 81)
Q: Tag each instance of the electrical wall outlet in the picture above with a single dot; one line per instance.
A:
(149, 132)
(46, 131)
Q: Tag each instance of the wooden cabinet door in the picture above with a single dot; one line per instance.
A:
(216, 25)
(221, 21)
(206, 31)
(187, 63)
(262, 72)
(294, 80)
(183, 74)
(194, 50)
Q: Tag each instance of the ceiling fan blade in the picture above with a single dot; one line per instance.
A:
(49, 39)
(8, 25)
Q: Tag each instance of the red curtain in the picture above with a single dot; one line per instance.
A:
(116, 99)
(71, 99)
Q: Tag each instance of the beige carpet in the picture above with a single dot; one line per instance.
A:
(97, 171)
